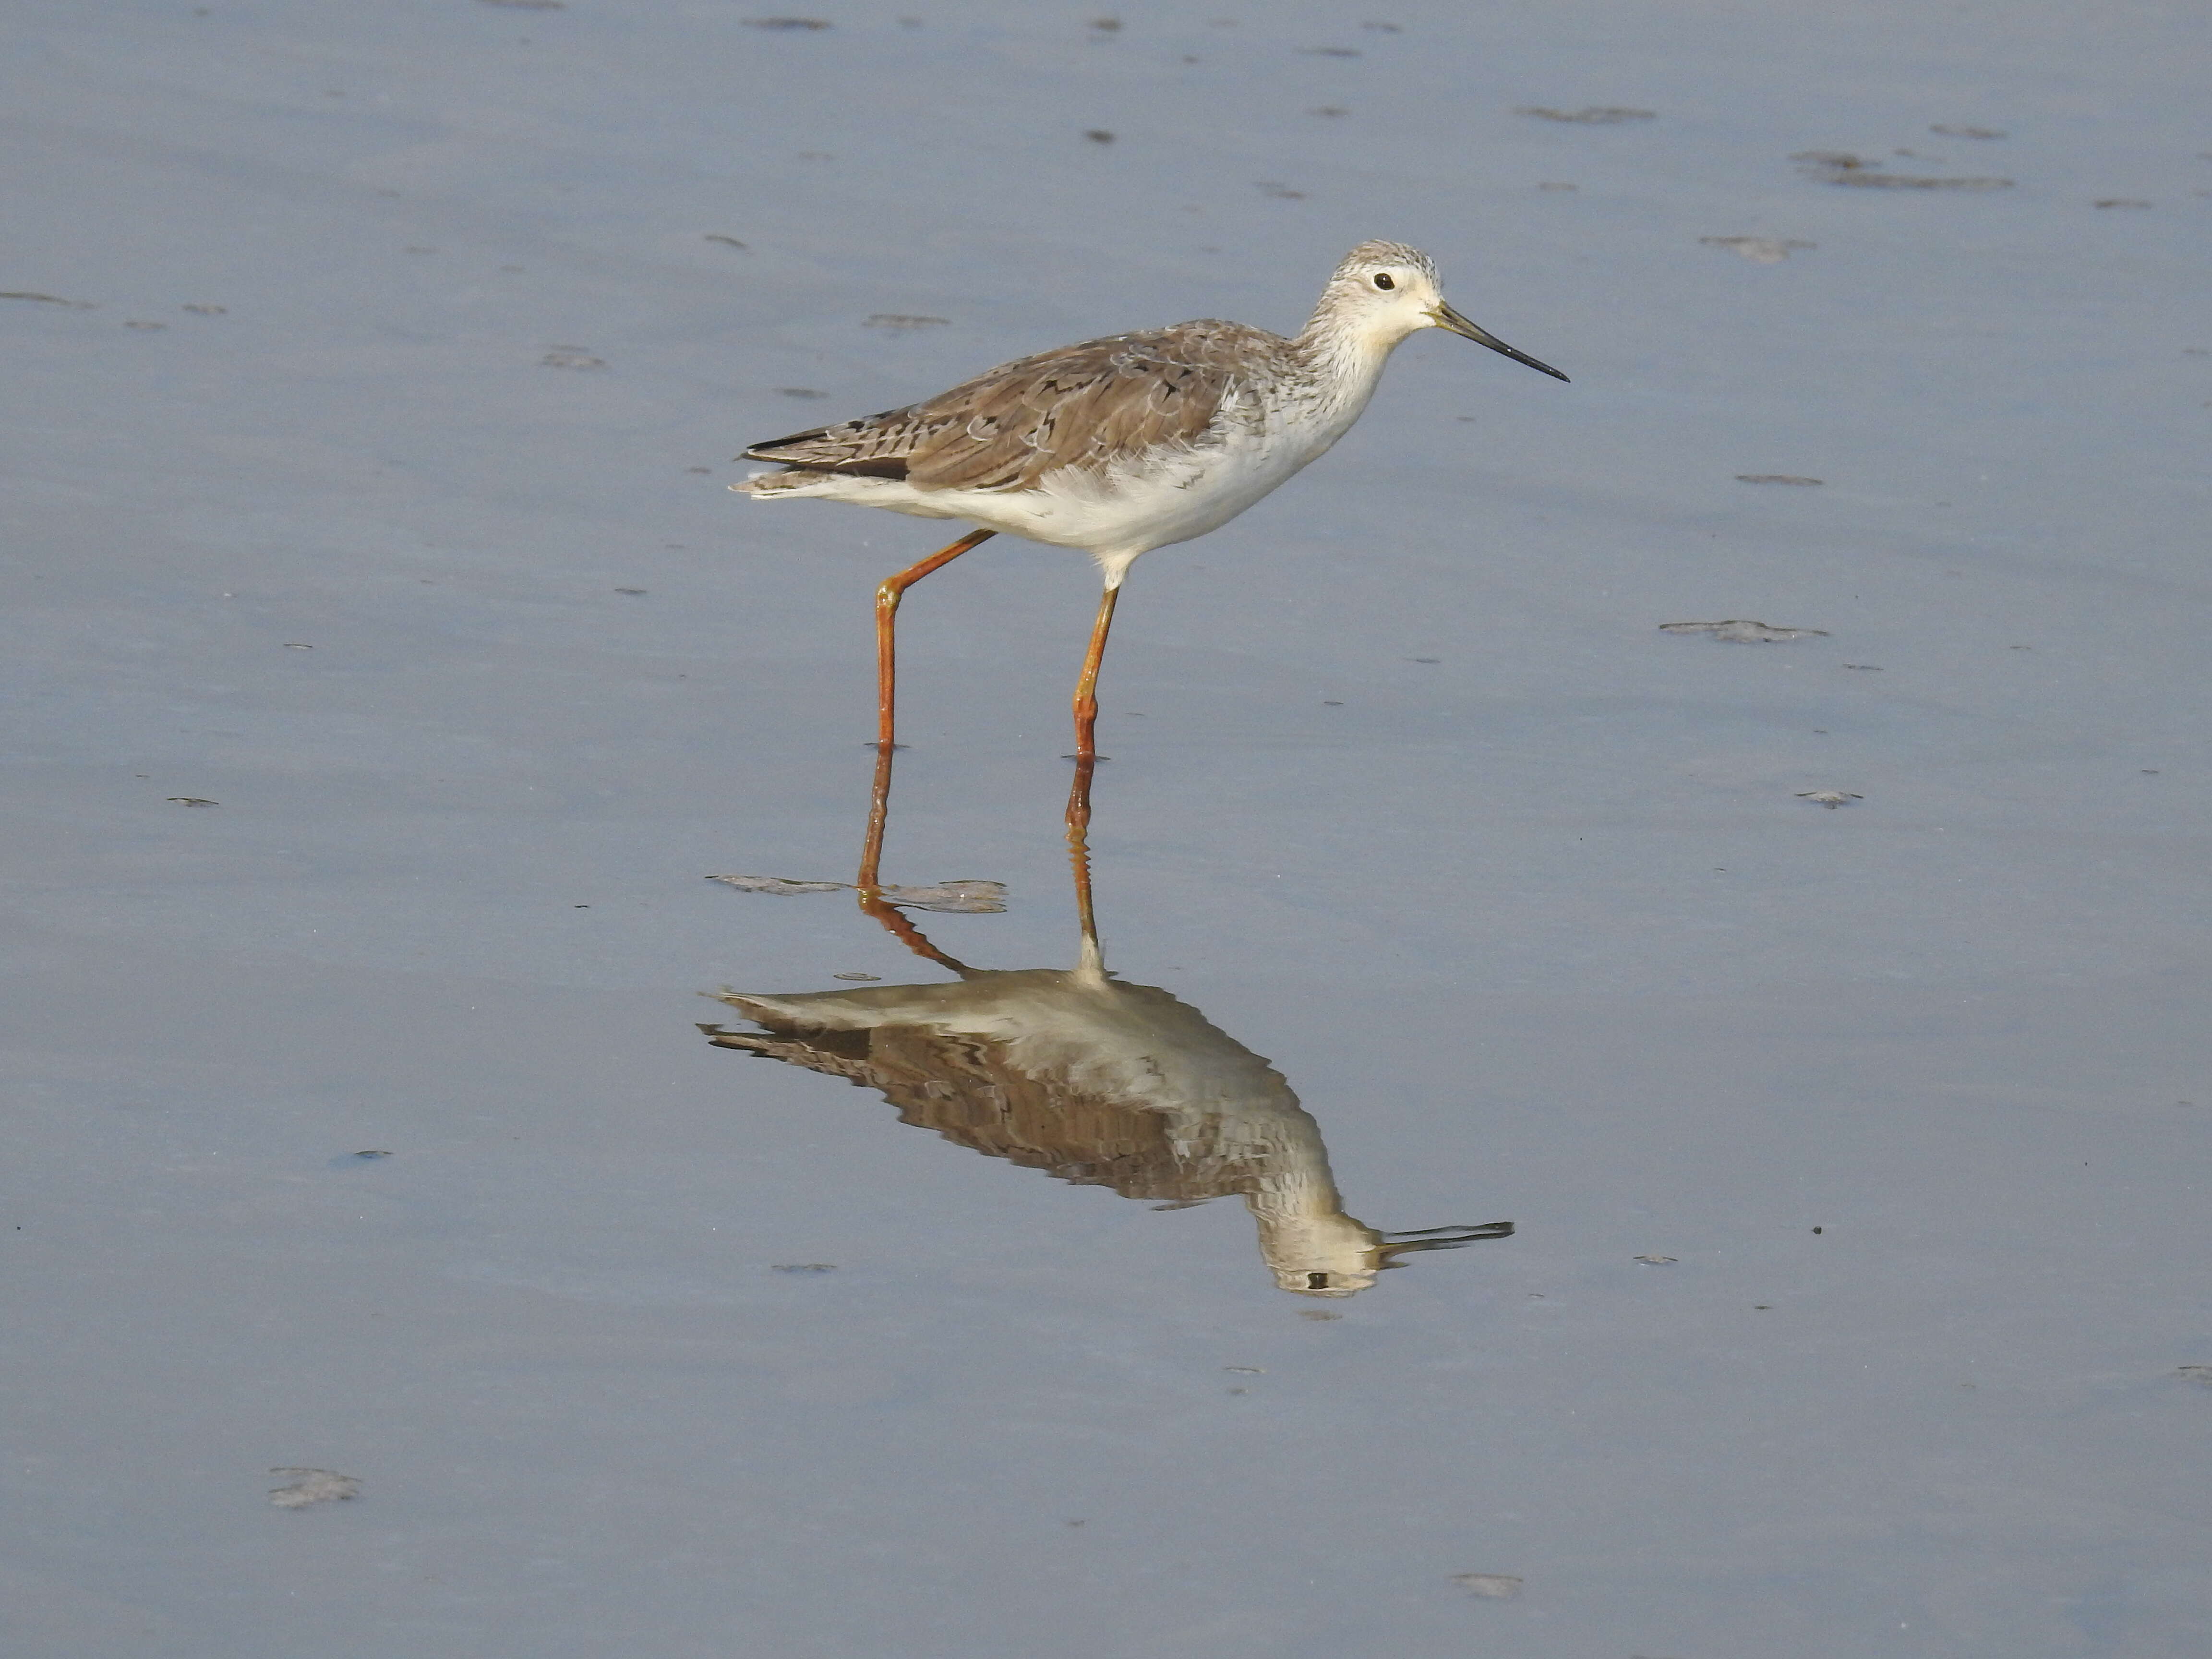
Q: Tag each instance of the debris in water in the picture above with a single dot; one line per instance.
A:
(2200, 1374)
(727, 241)
(1098, 135)
(1833, 167)
(1967, 132)
(1743, 631)
(314, 1486)
(194, 800)
(778, 885)
(804, 1267)
(1760, 250)
(1596, 115)
(1831, 799)
(563, 356)
(788, 23)
(965, 898)
(1496, 1586)
(899, 319)
(1657, 1261)
(1776, 477)
(50, 299)
(2122, 202)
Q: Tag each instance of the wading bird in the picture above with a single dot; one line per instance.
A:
(1119, 445)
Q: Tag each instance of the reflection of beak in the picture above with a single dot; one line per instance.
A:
(1440, 1238)
(1447, 318)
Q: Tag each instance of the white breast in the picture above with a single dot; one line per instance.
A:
(1163, 496)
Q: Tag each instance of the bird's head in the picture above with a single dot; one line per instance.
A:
(1385, 291)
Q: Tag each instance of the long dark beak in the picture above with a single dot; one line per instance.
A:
(1438, 1238)
(1447, 318)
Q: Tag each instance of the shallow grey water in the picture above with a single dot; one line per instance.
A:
(1413, 805)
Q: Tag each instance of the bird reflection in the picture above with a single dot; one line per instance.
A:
(1091, 1080)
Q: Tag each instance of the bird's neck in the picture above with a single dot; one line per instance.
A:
(1346, 361)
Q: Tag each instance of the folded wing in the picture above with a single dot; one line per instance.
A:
(1084, 406)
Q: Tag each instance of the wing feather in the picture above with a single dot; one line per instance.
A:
(1083, 406)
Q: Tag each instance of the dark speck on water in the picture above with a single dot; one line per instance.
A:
(1596, 115)
(1742, 631)
(1841, 168)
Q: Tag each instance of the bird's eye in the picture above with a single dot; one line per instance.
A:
(1317, 1281)
(1384, 279)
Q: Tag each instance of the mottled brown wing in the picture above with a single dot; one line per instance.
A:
(1081, 406)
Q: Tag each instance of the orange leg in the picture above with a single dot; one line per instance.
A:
(887, 605)
(1086, 689)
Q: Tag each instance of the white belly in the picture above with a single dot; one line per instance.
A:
(1160, 500)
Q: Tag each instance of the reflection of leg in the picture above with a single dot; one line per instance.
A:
(880, 812)
(887, 605)
(871, 900)
(1078, 854)
(896, 923)
(1086, 689)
